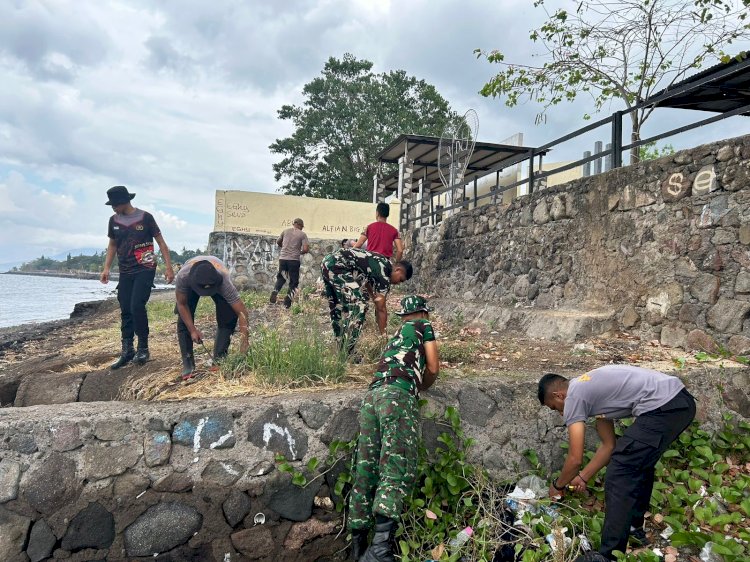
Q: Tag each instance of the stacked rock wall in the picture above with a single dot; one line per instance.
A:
(197, 480)
(253, 259)
(661, 248)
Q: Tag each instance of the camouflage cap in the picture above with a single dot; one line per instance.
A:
(413, 303)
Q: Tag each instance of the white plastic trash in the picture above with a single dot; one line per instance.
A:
(707, 553)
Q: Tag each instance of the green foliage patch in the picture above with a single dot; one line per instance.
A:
(702, 491)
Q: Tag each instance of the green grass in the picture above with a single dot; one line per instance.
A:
(301, 357)
(254, 299)
(457, 351)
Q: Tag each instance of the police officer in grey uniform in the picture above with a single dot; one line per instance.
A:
(662, 408)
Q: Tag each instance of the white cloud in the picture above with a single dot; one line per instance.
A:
(178, 99)
(167, 220)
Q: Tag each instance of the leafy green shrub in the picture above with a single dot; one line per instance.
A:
(702, 491)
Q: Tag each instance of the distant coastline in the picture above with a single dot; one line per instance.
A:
(66, 275)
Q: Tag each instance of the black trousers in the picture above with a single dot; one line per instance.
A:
(133, 292)
(291, 269)
(630, 473)
(225, 316)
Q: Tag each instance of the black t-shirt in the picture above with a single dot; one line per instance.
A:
(134, 235)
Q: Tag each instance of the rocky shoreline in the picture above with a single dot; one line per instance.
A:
(65, 275)
(13, 337)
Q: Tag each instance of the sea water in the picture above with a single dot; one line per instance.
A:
(31, 298)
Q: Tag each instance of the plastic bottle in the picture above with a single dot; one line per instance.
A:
(460, 539)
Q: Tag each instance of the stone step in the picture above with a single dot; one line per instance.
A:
(566, 325)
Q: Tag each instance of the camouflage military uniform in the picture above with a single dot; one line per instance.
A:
(386, 459)
(345, 274)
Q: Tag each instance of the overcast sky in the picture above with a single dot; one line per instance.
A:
(176, 99)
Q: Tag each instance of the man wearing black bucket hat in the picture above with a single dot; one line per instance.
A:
(131, 234)
(207, 276)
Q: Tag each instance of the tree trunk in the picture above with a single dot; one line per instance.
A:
(635, 135)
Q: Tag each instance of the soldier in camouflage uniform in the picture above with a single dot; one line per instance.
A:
(386, 457)
(352, 276)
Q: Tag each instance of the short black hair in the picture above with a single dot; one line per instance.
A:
(344, 241)
(407, 268)
(548, 381)
(383, 209)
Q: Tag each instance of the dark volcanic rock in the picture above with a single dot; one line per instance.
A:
(49, 388)
(161, 528)
(211, 430)
(256, 543)
(41, 541)
(101, 461)
(93, 527)
(23, 443)
(52, 485)
(222, 473)
(173, 482)
(13, 531)
(295, 503)
(475, 406)
(236, 507)
(103, 386)
(157, 447)
(10, 475)
(273, 432)
(344, 426)
(314, 414)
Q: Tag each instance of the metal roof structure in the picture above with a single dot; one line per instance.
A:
(722, 88)
(487, 157)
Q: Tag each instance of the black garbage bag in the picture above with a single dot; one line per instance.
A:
(507, 551)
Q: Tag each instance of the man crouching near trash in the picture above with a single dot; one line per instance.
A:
(662, 408)
(387, 449)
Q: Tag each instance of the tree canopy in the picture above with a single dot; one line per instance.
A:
(622, 50)
(348, 116)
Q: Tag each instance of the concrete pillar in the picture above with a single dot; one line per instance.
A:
(405, 173)
(598, 147)
(424, 201)
(608, 158)
(587, 165)
(378, 188)
(457, 194)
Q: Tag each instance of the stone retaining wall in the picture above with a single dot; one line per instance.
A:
(197, 480)
(253, 259)
(661, 248)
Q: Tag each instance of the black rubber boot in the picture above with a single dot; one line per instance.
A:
(221, 343)
(592, 556)
(287, 301)
(126, 356)
(274, 295)
(638, 536)
(381, 549)
(141, 354)
(359, 543)
(186, 352)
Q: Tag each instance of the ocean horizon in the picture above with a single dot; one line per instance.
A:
(28, 299)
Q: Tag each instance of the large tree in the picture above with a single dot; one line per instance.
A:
(622, 50)
(348, 116)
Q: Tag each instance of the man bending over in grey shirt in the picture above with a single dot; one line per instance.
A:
(662, 408)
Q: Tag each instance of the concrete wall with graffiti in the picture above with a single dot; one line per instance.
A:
(660, 249)
(253, 259)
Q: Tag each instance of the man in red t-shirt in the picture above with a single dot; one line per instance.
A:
(381, 236)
